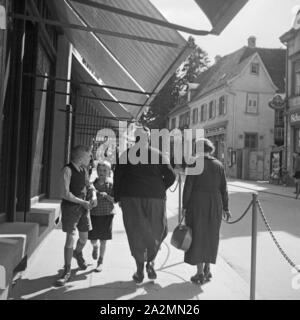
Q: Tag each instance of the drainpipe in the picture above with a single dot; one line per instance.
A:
(233, 120)
(286, 106)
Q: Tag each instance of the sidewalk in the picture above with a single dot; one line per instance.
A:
(115, 283)
(262, 186)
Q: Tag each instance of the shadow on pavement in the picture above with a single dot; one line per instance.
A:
(175, 291)
(27, 287)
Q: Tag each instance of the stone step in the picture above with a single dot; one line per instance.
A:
(18, 241)
(26, 231)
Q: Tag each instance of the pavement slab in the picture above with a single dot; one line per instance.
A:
(115, 282)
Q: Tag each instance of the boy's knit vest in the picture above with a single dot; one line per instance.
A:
(77, 184)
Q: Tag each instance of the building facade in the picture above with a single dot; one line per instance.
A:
(232, 105)
(292, 41)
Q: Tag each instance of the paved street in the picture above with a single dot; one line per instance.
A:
(274, 275)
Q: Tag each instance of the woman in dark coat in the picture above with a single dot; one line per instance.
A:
(205, 200)
(140, 189)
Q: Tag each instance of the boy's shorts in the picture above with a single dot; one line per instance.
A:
(75, 216)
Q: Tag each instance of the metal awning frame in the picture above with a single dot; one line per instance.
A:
(65, 25)
(151, 95)
(94, 98)
(79, 83)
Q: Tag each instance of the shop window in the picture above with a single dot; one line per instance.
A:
(279, 133)
(296, 78)
(251, 140)
(279, 118)
(222, 105)
(195, 116)
(203, 113)
(254, 69)
(252, 103)
(297, 140)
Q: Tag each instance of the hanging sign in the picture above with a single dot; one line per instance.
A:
(295, 117)
(277, 103)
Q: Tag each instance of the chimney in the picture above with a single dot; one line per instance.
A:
(252, 42)
(217, 58)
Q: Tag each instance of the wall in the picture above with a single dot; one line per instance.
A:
(263, 121)
(63, 70)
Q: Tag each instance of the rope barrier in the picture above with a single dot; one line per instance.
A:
(274, 238)
(241, 217)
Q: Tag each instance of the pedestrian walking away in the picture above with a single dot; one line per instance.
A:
(140, 190)
(102, 215)
(205, 200)
(297, 174)
(75, 209)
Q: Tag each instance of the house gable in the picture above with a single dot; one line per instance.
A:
(247, 81)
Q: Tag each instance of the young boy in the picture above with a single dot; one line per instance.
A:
(75, 208)
(102, 215)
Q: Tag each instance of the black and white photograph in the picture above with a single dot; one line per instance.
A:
(149, 153)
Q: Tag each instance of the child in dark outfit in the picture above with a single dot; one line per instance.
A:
(102, 215)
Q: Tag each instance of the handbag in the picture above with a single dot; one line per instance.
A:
(182, 236)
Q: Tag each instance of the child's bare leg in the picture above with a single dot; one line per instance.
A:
(68, 253)
(102, 252)
(95, 249)
(102, 249)
(94, 243)
(83, 237)
(68, 250)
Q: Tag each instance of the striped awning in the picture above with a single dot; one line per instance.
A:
(120, 62)
(128, 44)
(220, 12)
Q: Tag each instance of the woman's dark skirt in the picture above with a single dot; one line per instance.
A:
(102, 227)
(146, 227)
(204, 216)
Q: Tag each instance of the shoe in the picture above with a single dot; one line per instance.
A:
(99, 267)
(198, 278)
(95, 253)
(150, 271)
(138, 278)
(207, 273)
(64, 278)
(80, 260)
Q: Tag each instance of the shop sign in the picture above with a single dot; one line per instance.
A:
(215, 131)
(277, 103)
(295, 117)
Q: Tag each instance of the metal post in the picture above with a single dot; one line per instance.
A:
(179, 197)
(69, 118)
(253, 246)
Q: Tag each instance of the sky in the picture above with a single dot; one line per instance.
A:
(267, 20)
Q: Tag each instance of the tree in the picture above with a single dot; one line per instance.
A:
(167, 98)
(163, 103)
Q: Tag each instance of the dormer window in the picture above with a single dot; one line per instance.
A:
(254, 69)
